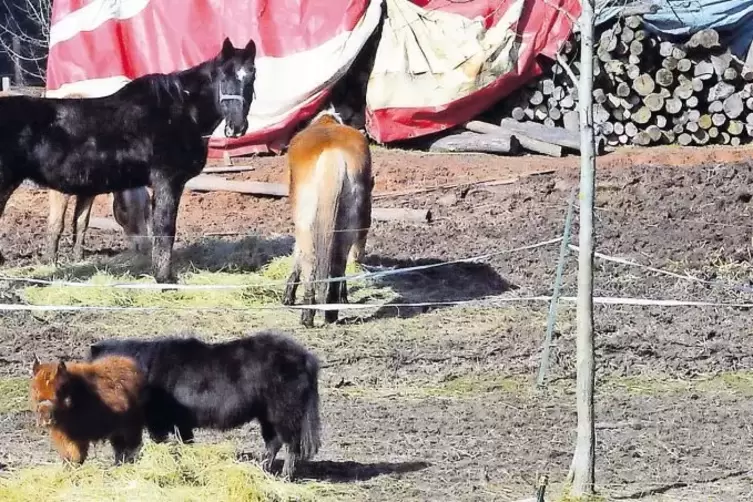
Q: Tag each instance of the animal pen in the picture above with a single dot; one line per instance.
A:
(454, 371)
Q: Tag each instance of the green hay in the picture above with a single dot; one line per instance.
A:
(265, 289)
(164, 473)
(14, 395)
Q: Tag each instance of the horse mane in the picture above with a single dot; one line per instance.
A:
(167, 83)
(328, 112)
(161, 85)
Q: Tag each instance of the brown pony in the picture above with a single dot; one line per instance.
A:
(82, 402)
(131, 209)
(330, 191)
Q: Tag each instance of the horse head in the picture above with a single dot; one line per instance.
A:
(236, 73)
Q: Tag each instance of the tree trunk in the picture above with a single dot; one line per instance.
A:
(583, 465)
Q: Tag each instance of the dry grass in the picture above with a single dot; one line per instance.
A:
(14, 395)
(460, 387)
(733, 382)
(717, 267)
(261, 288)
(164, 473)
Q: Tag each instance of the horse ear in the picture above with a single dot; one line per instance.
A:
(227, 49)
(251, 49)
(37, 364)
(61, 368)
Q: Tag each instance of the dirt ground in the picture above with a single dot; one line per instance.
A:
(439, 403)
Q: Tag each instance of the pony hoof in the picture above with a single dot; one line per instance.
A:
(288, 476)
(307, 319)
(166, 279)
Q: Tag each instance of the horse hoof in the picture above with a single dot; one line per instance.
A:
(166, 279)
(307, 319)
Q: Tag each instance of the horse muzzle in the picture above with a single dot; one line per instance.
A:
(236, 132)
(44, 413)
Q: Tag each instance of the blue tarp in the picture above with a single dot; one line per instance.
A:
(679, 19)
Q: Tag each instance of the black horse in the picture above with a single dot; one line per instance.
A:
(154, 131)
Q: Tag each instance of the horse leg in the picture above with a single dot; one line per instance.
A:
(157, 435)
(55, 224)
(358, 250)
(186, 433)
(125, 444)
(288, 298)
(81, 215)
(166, 200)
(309, 289)
(336, 289)
(292, 455)
(131, 209)
(272, 442)
(6, 190)
(292, 441)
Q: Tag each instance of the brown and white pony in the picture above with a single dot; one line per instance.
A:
(132, 210)
(330, 192)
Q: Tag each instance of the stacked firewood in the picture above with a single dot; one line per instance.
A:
(647, 90)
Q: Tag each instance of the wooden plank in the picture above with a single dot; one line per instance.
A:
(208, 183)
(532, 144)
(401, 214)
(555, 135)
(228, 169)
(377, 214)
(471, 142)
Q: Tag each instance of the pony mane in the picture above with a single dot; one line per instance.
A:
(163, 85)
(331, 112)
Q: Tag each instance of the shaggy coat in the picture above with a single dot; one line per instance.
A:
(267, 376)
(82, 402)
(151, 132)
(330, 191)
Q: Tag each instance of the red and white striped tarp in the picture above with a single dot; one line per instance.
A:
(303, 48)
(438, 63)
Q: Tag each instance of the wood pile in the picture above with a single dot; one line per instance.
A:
(647, 90)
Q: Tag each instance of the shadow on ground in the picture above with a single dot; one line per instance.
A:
(443, 282)
(345, 471)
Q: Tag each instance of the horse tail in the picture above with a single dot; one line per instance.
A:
(318, 217)
(311, 425)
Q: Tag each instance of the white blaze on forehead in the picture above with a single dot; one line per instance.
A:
(241, 74)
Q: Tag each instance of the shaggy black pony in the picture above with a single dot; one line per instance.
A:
(266, 376)
(153, 131)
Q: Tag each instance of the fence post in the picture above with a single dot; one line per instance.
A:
(17, 70)
(544, 366)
